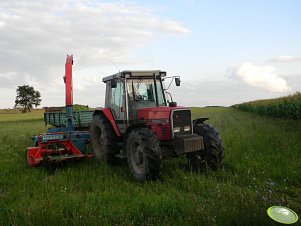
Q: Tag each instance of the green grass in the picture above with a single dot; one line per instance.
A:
(261, 168)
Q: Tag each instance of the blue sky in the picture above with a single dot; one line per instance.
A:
(226, 52)
(231, 32)
(224, 34)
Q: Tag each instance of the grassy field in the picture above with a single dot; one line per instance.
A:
(261, 168)
(13, 115)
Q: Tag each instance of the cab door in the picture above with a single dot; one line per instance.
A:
(116, 103)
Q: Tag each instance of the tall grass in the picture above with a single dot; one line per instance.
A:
(261, 168)
(284, 107)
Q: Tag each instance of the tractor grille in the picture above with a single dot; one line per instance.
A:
(181, 119)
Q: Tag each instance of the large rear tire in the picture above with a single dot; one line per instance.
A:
(103, 139)
(213, 153)
(143, 154)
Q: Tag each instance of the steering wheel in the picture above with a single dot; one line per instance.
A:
(141, 97)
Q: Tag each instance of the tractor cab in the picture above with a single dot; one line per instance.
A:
(128, 92)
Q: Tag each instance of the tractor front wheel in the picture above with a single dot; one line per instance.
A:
(213, 153)
(103, 139)
(143, 154)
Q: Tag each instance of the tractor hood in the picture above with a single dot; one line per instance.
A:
(157, 112)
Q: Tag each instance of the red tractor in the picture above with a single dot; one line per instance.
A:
(139, 124)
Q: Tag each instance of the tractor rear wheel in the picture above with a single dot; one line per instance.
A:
(143, 154)
(103, 139)
(213, 153)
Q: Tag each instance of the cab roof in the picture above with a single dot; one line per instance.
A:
(135, 74)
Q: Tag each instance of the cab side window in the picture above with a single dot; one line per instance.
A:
(116, 100)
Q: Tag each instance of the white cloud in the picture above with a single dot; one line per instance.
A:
(261, 76)
(37, 35)
(174, 27)
(2, 23)
(286, 59)
(78, 87)
(11, 79)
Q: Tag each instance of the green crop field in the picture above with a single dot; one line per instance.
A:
(288, 107)
(261, 168)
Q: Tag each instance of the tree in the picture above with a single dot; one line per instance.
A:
(27, 96)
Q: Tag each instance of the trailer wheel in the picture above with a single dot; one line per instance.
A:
(143, 155)
(103, 139)
(211, 157)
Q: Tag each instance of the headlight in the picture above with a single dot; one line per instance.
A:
(176, 129)
(186, 128)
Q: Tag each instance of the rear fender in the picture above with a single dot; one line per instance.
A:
(109, 116)
(199, 120)
(136, 126)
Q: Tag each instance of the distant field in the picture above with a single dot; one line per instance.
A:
(15, 115)
(284, 107)
(261, 168)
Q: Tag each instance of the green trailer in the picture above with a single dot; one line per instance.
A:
(81, 119)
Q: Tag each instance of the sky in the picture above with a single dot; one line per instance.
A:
(226, 52)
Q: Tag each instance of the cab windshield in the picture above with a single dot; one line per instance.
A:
(142, 92)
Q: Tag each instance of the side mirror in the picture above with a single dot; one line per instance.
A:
(178, 81)
(113, 83)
